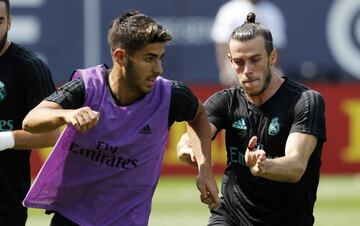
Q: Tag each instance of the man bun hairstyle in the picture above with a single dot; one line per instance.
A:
(251, 29)
(133, 30)
(250, 18)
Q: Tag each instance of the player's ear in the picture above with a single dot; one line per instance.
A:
(273, 57)
(9, 23)
(230, 58)
(119, 56)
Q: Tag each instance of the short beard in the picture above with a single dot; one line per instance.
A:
(3, 42)
(265, 86)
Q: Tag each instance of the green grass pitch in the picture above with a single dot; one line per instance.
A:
(176, 203)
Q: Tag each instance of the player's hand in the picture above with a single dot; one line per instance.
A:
(206, 183)
(185, 152)
(82, 119)
(254, 159)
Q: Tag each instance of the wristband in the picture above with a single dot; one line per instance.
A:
(7, 140)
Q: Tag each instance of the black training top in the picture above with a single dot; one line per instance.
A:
(25, 81)
(183, 106)
(255, 200)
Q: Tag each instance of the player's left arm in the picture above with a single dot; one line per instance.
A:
(185, 106)
(200, 138)
(291, 167)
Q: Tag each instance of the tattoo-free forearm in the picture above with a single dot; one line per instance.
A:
(200, 137)
(25, 140)
(45, 117)
(283, 169)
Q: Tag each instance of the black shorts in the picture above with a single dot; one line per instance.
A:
(15, 216)
(226, 216)
(220, 217)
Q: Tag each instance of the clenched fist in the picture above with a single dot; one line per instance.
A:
(82, 119)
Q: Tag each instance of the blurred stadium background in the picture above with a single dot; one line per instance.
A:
(323, 51)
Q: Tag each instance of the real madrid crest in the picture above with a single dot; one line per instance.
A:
(274, 127)
(2, 91)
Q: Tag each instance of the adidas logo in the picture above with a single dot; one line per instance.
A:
(145, 130)
(240, 124)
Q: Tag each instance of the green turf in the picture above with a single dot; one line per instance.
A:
(176, 203)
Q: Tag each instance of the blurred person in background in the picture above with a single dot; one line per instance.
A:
(106, 165)
(25, 81)
(274, 134)
(230, 16)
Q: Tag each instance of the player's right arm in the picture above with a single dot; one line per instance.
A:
(63, 107)
(48, 116)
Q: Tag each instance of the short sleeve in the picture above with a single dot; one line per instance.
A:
(37, 82)
(184, 104)
(309, 115)
(69, 96)
(217, 108)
